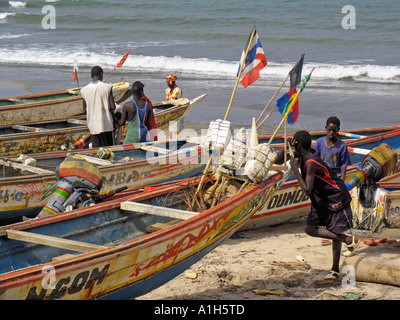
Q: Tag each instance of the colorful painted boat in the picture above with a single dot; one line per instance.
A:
(50, 105)
(50, 135)
(104, 251)
(290, 201)
(25, 189)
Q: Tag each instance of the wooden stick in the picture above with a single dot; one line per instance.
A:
(109, 75)
(229, 107)
(52, 241)
(285, 116)
(265, 119)
(273, 97)
(240, 73)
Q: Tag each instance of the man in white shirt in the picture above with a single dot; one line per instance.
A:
(98, 103)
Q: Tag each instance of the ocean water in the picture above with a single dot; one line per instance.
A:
(357, 75)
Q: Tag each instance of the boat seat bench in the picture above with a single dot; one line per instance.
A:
(52, 241)
(156, 210)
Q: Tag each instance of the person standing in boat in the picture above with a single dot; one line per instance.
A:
(173, 92)
(331, 213)
(98, 103)
(139, 114)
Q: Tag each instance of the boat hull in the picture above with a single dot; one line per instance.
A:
(50, 105)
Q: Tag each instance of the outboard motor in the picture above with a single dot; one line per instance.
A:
(76, 178)
(374, 166)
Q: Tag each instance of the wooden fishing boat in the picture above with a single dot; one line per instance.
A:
(25, 188)
(50, 105)
(290, 201)
(105, 251)
(50, 135)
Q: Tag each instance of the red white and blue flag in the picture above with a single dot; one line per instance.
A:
(253, 62)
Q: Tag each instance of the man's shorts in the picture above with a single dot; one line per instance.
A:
(102, 139)
(336, 223)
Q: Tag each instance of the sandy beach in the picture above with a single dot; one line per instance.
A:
(263, 264)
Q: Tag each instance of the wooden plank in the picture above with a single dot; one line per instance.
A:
(156, 227)
(77, 121)
(98, 161)
(52, 241)
(22, 167)
(154, 149)
(26, 128)
(159, 226)
(155, 210)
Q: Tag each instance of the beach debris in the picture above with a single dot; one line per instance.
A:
(265, 292)
(191, 275)
(373, 242)
(353, 296)
(303, 266)
(301, 259)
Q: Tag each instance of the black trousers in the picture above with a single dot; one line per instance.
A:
(102, 139)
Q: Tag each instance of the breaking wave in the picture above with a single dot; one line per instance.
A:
(202, 67)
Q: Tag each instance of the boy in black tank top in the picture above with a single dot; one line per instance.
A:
(330, 214)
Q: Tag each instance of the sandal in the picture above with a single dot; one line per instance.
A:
(332, 275)
(326, 242)
(370, 242)
(353, 245)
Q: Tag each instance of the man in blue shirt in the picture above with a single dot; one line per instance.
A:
(333, 150)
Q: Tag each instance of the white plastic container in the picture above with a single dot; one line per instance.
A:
(218, 135)
(259, 160)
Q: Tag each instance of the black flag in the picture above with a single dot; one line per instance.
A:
(295, 73)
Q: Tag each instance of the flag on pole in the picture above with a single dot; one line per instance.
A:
(295, 73)
(75, 73)
(284, 102)
(253, 62)
(121, 62)
(288, 104)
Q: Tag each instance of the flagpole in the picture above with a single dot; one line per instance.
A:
(109, 74)
(77, 79)
(270, 101)
(228, 109)
(287, 113)
(240, 73)
(119, 64)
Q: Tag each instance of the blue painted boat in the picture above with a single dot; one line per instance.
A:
(25, 188)
(105, 251)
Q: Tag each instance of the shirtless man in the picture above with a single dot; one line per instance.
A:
(139, 114)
